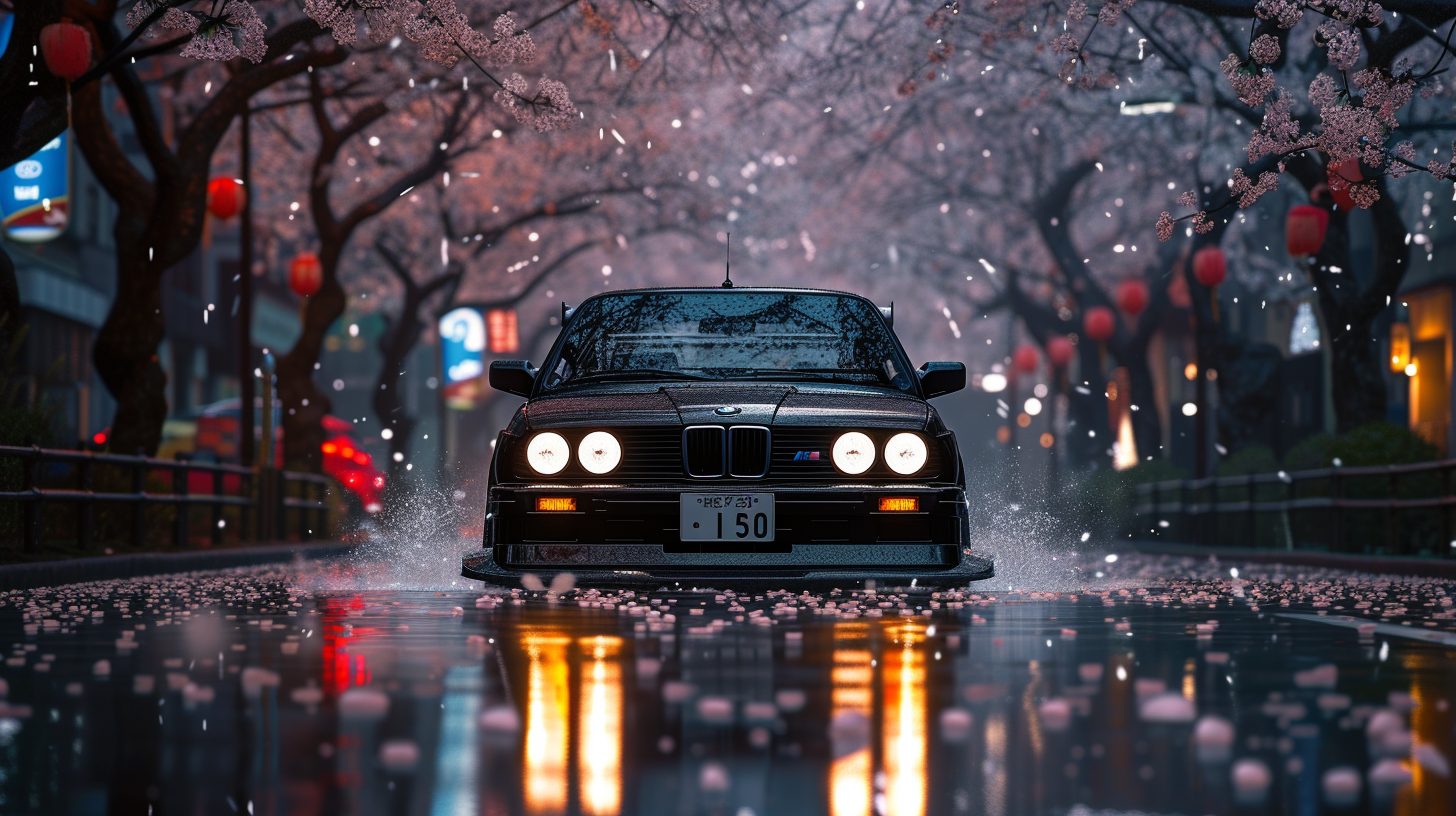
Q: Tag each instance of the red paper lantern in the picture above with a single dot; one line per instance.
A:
(1026, 359)
(1349, 170)
(305, 274)
(1209, 266)
(1304, 230)
(1059, 351)
(66, 48)
(1132, 296)
(224, 197)
(1099, 323)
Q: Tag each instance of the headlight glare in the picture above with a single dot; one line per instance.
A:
(599, 452)
(854, 452)
(547, 453)
(905, 453)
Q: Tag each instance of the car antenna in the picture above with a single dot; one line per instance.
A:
(728, 263)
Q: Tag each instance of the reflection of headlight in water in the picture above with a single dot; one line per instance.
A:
(548, 734)
(599, 746)
(905, 733)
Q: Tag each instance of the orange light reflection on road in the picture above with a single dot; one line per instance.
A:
(599, 740)
(548, 729)
(905, 712)
(851, 791)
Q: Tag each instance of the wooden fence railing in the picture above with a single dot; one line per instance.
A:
(89, 498)
(1391, 510)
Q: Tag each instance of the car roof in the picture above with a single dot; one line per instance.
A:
(796, 290)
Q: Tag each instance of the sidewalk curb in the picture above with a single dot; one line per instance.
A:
(110, 567)
(1383, 564)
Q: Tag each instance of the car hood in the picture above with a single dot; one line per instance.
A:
(757, 404)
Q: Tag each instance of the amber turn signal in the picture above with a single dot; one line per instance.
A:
(899, 504)
(555, 503)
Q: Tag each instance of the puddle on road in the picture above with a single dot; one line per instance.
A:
(257, 692)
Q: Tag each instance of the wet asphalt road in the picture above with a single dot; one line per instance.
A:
(1162, 686)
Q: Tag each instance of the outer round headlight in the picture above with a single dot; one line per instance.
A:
(854, 452)
(547, 453)
(905, 453)
(599, 452)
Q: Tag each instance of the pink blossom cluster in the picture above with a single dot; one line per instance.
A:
(1248, 190)
(1384, 93)
(1076, 10)
(1251, 83)
(1188, 198)
(1165, 226)
(549, 109)
(1264, 49)
(1362, 192)
(1279, 133)
(1066, 42)
(1406, 153)
(1286, 12)
(384, 17)
(1342, 44)
(442, 32)
(1112, 10)
(235, 30)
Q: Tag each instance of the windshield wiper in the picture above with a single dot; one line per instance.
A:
(636, 373)
(804, 373)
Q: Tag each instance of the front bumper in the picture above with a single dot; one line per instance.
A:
(825, 537)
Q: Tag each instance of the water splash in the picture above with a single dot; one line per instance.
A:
(1032, 549)
(417, 546)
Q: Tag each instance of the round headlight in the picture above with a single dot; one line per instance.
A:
(905, 453)
(599, 452)
(854, 452)
(548, 453)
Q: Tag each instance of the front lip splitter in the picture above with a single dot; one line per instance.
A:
(748, 573)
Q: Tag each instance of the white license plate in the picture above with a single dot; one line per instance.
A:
(727, 516)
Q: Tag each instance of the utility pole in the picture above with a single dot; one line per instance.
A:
(246, 380)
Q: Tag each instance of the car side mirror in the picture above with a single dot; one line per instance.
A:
(519, 376)
(936, 379)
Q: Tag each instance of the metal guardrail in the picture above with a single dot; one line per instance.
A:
(1317, 508)
(263, 499)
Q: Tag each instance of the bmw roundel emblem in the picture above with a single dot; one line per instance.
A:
(726, 410)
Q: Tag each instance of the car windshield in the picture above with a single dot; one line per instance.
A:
(728, 336)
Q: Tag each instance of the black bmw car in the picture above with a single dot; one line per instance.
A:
(727, 437)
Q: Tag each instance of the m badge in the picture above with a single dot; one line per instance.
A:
(806, 456)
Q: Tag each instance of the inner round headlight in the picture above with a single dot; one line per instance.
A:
(547, 453)
(854, 452)
(905, 453)
(599, 452)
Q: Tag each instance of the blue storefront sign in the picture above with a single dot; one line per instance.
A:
(462, 342)
(35, 192)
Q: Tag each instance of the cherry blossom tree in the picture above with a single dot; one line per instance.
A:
(1340, 96)
(160, 219)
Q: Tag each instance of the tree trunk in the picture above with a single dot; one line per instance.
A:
(305, 404)
(1357, 380)
(9, 303)
(126, 348)
(1087, 438)
(1355, 373)
(388, 405)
